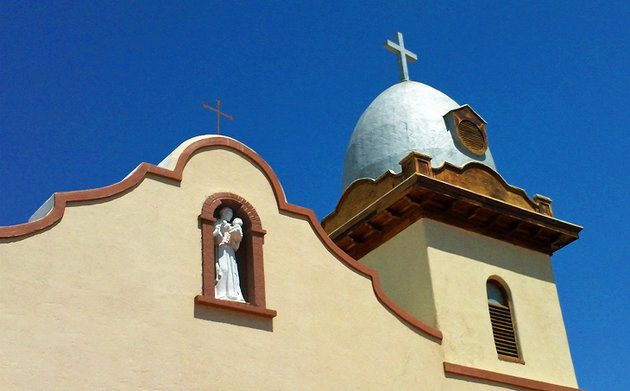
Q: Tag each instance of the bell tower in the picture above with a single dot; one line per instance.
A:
(453, 243)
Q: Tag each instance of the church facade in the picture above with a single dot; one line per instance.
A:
(431, 273)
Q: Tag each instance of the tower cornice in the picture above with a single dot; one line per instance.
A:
(473, 197)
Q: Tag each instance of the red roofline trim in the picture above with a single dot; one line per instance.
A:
(62, 199)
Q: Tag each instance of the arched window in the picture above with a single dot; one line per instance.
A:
(249, 255)
(502, 321)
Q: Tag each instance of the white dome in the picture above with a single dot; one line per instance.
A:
(406, 117)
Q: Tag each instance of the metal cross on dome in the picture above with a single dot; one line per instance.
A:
(219, 114)
(403, 54)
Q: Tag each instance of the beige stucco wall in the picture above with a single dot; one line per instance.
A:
(104, 300)
(403, 268)
(461, 262)
(454, 265)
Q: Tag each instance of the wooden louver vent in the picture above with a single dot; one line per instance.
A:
(472, 137)
(503, 330)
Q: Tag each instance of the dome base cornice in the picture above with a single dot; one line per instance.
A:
(473, 197)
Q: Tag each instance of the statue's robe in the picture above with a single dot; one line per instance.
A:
(228, 286)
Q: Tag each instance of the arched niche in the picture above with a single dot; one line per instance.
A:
(249, 256)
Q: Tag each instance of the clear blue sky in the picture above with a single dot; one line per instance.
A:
(87, 92)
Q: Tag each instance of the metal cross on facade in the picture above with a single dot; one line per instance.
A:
(219, 114)
(403, 54)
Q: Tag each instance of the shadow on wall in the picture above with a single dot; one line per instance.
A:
(490, 251)
(232, 317)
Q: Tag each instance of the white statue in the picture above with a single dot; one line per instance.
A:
(227, 238)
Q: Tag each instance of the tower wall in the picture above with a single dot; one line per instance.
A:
(438, 273)
(403, 268)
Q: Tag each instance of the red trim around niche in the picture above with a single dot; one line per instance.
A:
(235, 306)
(251, 254)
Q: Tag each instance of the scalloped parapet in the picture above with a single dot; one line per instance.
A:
(171, 171)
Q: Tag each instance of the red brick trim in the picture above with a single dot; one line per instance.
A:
(146, 169)
(460, 370)
(515, 360)
(235, 306)
(251, 247)
(235, 202)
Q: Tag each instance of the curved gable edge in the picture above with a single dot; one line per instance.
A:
(61, 199)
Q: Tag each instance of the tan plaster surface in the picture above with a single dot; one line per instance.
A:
(460, 263)
(104, 300)
(439, 272)
(403, 268)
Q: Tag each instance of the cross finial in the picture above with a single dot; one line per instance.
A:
(219, 114)
(403, 54)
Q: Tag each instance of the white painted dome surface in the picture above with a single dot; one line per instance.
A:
(406, 117)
